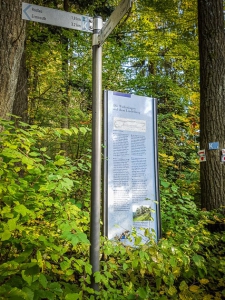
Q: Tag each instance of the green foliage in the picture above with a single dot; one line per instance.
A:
(43, 232)
(45, 226)
(183, 265)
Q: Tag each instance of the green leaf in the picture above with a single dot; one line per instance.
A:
(55, 288)
(67, 183)
(24, 255)
(199, 261)
(158, 282)
(21, 209)
(74, 239)
(39, 256)
(48, 295)
(9, 268)
(65, 265)
(88, 268)
(142, 293)
(43, 281)
(83, 238)
(6, 235)
(27, 278)
(28, 161)
(75, 130)
(34, 270)
(83, 130)
(10, 153)
(12, 224)
(165, 184)
(17, 294)
(72, 296)
(29, 293)
(135, 263)
(97, 276)
(34, 154)
(69, 272)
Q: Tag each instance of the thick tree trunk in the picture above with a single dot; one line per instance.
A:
(212, 100)
(12, 32)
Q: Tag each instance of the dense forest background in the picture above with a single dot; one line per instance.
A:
(45, 156)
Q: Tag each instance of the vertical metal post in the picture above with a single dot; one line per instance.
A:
(96, 150)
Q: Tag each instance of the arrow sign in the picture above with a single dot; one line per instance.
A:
(113, 20)
(56, 17)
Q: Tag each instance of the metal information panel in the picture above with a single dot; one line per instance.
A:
(130, 166)
(56, 17)
(114, 19)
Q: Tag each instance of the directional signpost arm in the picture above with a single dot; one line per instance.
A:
(114, 19)
(45, 15)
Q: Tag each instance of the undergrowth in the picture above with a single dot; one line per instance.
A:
(44, 232)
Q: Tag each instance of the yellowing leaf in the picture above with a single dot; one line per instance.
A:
(210, 222)
(208, 297)
(176, 271)
(204, 281)
(142, 272)
(30, 167)
(183, 286)
(60, 162)
(182, 297)
(67, 131)
(194, 288)
(172, 290)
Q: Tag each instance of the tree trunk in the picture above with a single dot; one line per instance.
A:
(20, 105)
(12, 45)
(212, 101)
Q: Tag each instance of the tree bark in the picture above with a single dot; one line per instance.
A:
(212, 100)
(20, 104)
(12, 29)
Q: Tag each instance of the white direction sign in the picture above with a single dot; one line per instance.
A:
(114, 19)
(56, 17)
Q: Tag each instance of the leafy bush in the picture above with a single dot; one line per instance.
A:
(186, 264)
(44, 230)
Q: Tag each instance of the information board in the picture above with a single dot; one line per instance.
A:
(131, 194)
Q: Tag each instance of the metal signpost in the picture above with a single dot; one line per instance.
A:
(60, 18)
(96, 150)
